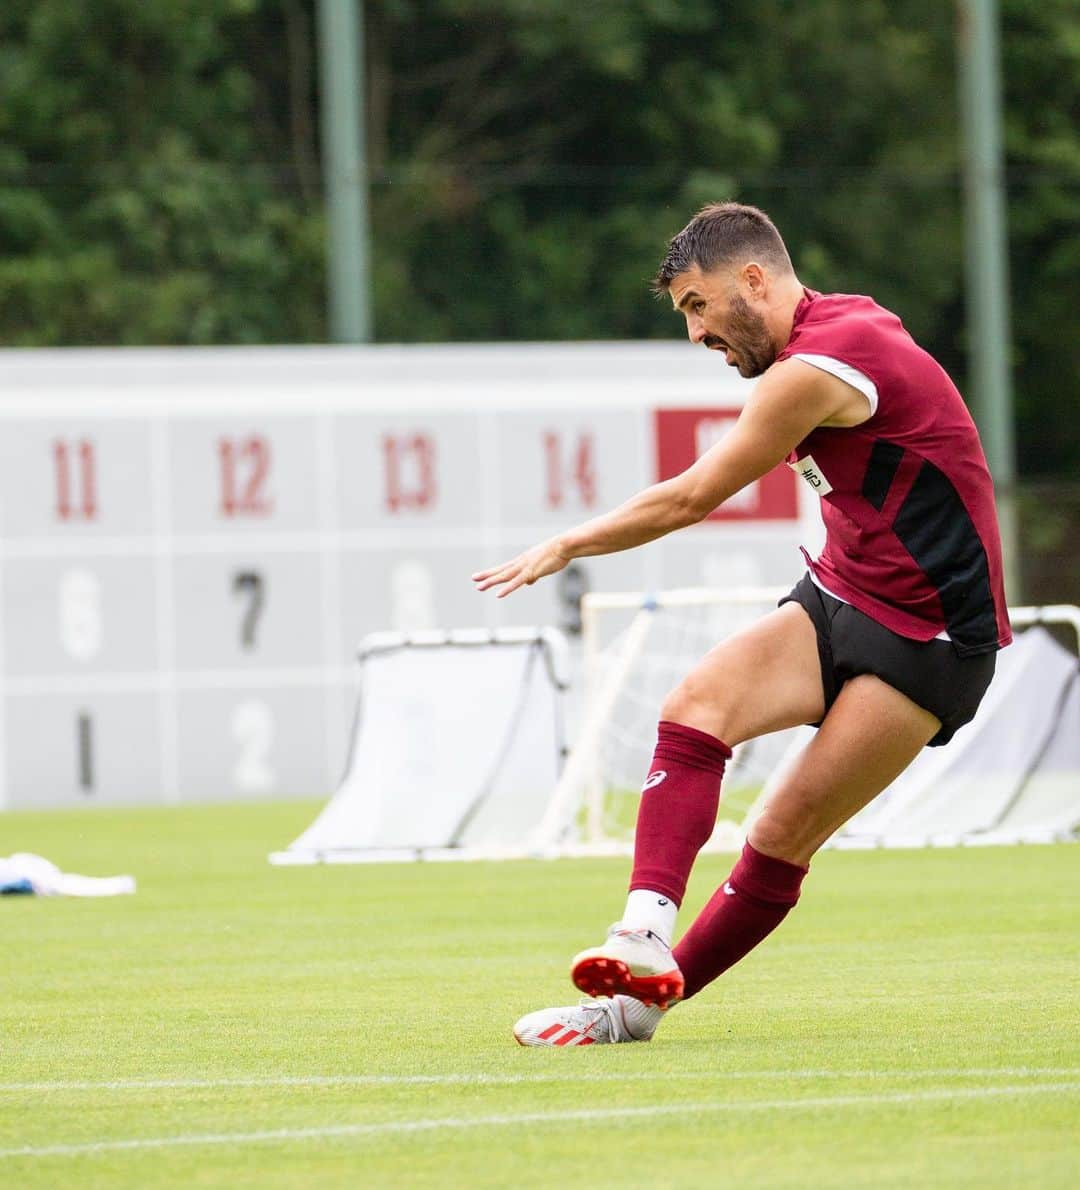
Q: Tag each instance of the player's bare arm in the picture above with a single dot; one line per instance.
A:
(791, 399)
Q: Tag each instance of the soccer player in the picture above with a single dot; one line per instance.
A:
(887, 644)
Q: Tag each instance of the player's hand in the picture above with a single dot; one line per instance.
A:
(524, 570)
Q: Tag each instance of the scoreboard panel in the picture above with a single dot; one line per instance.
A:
(193, 542)
(75, 479)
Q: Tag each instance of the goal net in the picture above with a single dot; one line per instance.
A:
(1012, 775)
(456, 746)
(636, 648)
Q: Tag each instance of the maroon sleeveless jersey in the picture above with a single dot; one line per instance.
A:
(908, 503)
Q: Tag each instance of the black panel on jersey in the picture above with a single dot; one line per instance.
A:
(939, 534)
(881, 471)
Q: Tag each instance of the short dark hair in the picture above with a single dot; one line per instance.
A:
(718, 235)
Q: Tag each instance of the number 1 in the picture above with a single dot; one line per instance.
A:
(84, 731)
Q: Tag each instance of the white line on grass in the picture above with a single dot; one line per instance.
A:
(583, 1115)
(572, 1074)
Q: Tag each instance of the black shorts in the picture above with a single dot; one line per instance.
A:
(930, 673)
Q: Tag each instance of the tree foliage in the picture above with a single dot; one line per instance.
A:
(138, 203)
(159, 174)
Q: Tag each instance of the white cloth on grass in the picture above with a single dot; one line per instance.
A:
(24, 872)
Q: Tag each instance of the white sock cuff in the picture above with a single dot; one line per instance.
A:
(649, 910)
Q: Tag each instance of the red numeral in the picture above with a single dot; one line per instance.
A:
(76, 480)
(245, 468)
(578, 472)
(410, 471)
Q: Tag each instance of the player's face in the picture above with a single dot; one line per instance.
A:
(719, 316)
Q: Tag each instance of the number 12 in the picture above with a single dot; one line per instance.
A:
(245, 468)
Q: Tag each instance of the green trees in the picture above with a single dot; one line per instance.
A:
(138, 202)
(159, 169)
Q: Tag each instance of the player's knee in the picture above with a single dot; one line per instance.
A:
(675, 705)
(694, 704)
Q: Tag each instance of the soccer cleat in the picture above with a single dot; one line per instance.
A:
(634, 963)
(589, 1023)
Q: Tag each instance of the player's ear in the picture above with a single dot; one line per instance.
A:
(754, 279)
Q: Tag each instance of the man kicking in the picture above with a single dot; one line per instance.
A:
(887, 644)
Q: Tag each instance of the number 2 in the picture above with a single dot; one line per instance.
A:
(253, 732)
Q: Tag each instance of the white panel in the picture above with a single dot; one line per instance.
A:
(559, 468)
(248, 609)
(66, 749)
(410, 470)
(244, 474)
(725, 557)
(411, 588)
(79, 616)
(74, 478)
(253, 741)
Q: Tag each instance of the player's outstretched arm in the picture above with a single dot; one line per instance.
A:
(789, 401)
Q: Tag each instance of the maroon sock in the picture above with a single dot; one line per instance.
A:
(677, 811)
(751, 903)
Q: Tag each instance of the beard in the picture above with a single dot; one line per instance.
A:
(749, 339)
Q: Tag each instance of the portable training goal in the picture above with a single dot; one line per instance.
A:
(457, 742)
(458, 747)
(1012, 775)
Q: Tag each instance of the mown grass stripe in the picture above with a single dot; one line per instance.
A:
(584, 1115)
(571, 1074)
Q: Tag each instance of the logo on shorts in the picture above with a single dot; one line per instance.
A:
(654, 779)
(811, 472)
(728, 890)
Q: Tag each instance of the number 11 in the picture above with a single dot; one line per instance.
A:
(76, 480)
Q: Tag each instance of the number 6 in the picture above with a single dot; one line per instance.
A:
(81, 628)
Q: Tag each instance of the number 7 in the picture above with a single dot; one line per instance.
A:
(249, 581)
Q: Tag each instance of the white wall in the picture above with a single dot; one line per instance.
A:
(193, 541)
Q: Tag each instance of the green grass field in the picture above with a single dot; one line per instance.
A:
(915, 1023)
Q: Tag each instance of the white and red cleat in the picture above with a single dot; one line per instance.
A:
(589, 1023)
(635, 963)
